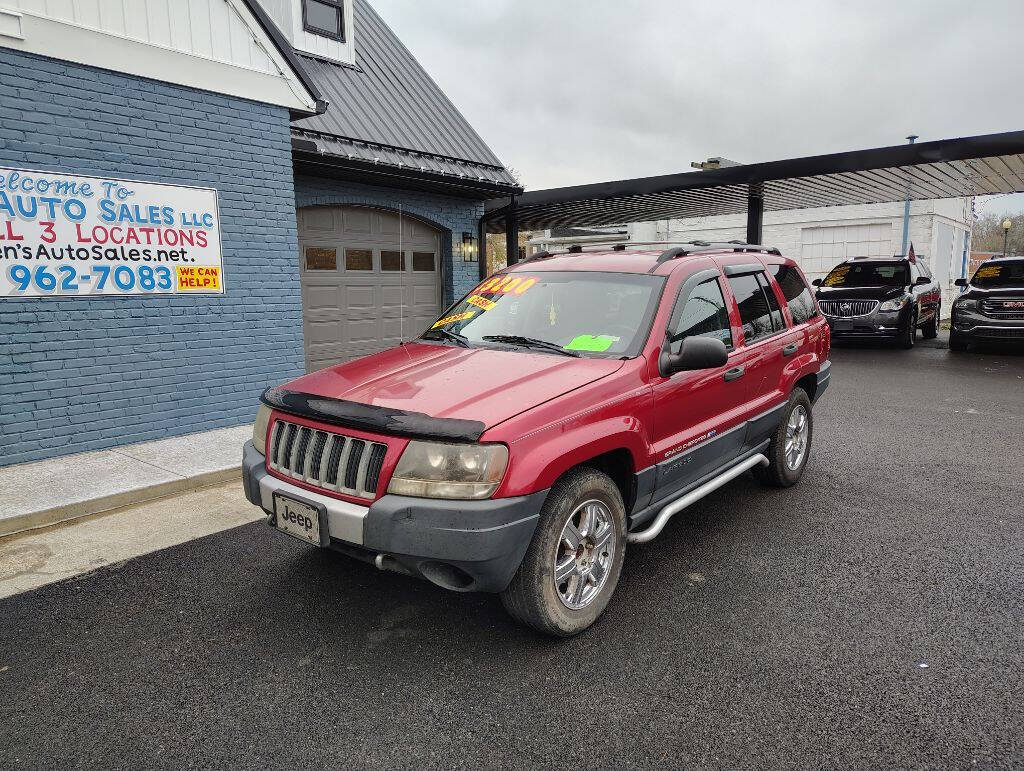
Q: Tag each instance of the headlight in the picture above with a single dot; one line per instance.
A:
(965, 304)
(893, 305)
(435, 470)
(259, 428)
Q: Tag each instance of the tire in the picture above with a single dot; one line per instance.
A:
(957, 342)
(930, 330)
(533, 598)
(780, 472)
(909, 336)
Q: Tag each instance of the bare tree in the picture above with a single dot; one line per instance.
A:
(988, 234)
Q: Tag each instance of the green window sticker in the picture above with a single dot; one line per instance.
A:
(595, 343)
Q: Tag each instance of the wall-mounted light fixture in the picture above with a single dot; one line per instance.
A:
(469, 247)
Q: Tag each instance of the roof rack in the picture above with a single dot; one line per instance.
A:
(715, 246)
(678, 248)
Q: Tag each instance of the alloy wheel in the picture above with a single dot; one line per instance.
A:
(585, 554)
(797, 434)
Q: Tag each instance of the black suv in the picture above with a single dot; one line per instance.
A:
(992, 308)
(876, 297)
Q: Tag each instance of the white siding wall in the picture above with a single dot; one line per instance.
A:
(214, 45)
(287, 14)
(212, 29)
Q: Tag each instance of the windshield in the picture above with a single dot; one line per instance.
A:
(575, 313)
(864, 274)
(1000, 274)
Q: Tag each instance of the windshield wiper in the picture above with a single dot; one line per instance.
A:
(530, 342)
(455, 337)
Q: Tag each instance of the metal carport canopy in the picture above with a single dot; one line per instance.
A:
(947, 168)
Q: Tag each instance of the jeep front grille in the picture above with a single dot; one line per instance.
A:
(325, 459)
(846, 309)
(1003, 308)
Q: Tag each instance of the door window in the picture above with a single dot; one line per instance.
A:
(755, 313)
(798, 295)
(704, 314)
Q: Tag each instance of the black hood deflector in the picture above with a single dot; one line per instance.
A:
(366, 417)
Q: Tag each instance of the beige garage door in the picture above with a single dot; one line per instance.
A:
(369, 278)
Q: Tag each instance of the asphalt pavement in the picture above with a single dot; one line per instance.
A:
(870, 617)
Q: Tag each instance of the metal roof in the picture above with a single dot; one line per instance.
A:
(387, 109)
(949, 168)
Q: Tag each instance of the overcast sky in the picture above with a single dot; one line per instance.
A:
(574, 91)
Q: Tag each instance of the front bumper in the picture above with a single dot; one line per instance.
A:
(976, 326)
(878, 324)
(459, 545)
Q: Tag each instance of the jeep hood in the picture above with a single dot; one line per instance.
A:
(477, 384)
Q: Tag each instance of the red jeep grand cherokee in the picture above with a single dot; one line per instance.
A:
(566, 407)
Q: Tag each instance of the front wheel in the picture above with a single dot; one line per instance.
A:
(957, 342)
(791, 444)
(573, 564)
(909, 336)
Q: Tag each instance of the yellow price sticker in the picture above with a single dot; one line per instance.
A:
(480, 302)
(453, 318)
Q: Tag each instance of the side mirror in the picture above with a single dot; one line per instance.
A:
(922, 280)
(960, 282)
(816, 282)
(696, 353)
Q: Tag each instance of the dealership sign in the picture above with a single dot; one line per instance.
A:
(63, 235)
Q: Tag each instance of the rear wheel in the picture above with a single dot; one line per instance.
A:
(573, 564)
(791, 444)
(930, 329)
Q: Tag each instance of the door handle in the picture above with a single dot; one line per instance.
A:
(789, 350)
(734, 373)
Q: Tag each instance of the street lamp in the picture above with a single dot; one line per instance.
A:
(1007, 224)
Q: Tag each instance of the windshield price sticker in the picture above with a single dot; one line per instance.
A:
(837, 276)
(63, 235)
(453, 318)
(507, 284)
(989, 271)
(480, 302)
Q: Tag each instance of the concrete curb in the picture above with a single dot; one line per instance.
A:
(32, 520)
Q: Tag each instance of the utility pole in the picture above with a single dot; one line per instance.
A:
(906, 208)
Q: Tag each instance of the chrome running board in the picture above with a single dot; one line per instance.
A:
(693, 496)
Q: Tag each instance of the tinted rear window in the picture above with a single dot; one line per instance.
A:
(797, 293)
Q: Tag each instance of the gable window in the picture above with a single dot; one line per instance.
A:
(324, 17)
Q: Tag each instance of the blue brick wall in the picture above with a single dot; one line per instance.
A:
(454, 216)
(82, 374)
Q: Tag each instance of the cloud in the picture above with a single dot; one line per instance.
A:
(576, 91)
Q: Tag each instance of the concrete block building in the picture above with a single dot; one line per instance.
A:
(196, 206)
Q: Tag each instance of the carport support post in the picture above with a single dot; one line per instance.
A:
(512, 233)
(755, 213)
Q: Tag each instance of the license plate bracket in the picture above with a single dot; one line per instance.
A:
(301, 519)
(842, 325)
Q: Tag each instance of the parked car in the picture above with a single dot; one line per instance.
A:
(992, 308)
(567, 406)
(888, 298)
